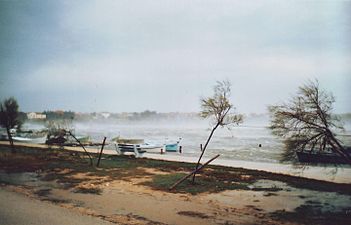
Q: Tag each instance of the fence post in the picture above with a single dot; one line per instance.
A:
(102, 148)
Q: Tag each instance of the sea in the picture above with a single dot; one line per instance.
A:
(250, 141)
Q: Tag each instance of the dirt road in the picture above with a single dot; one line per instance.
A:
(17, 209)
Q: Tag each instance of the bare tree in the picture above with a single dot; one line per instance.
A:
(218, 108)
(9, 117)
(57, 130)
(307, 122)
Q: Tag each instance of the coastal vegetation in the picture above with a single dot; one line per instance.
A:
(49, 161)
(59, 131)
(220, 110)
(65, 178)
(10, 117)
(306, 122)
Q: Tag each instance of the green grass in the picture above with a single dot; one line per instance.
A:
(202, 184)
(120, 162)
(211, 179)
(128, 162)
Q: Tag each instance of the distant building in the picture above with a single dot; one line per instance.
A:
(36, 116)
(105, 115)
(126, 115)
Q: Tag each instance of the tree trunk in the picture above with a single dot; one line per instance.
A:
(203, 150)
(194, 171)
(10, 139)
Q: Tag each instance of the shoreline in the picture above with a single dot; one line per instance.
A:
(343, 174)
(340, 174)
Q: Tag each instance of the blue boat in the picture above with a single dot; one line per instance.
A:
(172, 147)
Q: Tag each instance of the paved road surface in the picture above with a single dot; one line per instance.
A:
(17, 209)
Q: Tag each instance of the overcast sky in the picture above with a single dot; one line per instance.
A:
(125, 56)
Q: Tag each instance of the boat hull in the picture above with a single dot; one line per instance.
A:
(171, 147)
(320, 158)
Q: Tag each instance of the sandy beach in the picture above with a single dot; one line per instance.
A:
(125, 190)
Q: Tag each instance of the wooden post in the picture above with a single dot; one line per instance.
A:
(102, 148)
(193, 172)
(197, 165)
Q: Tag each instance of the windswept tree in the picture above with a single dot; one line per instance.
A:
(60, 130)
(220, 110)
(9, 116)
(306, 122)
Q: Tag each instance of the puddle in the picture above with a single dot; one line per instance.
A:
(274, 195)
(269, 185)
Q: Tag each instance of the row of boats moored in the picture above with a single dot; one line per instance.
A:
(64, 139)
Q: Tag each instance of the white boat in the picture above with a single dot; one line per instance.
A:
(21, 139)
(169, 146)
(30, 140)
(151, 146)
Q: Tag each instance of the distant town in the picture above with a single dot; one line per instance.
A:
(126, 116)
(132, 116)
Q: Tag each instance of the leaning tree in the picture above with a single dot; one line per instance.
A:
(9, 117)
(58, 132)
(306, 122)
(219, 109)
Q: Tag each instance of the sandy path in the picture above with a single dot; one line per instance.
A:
(17, 209)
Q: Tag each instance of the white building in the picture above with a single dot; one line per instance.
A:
(105, 114)
(36, 116)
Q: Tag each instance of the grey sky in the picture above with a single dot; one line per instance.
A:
(163, 55)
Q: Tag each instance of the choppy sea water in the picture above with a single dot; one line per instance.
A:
(238, 143)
